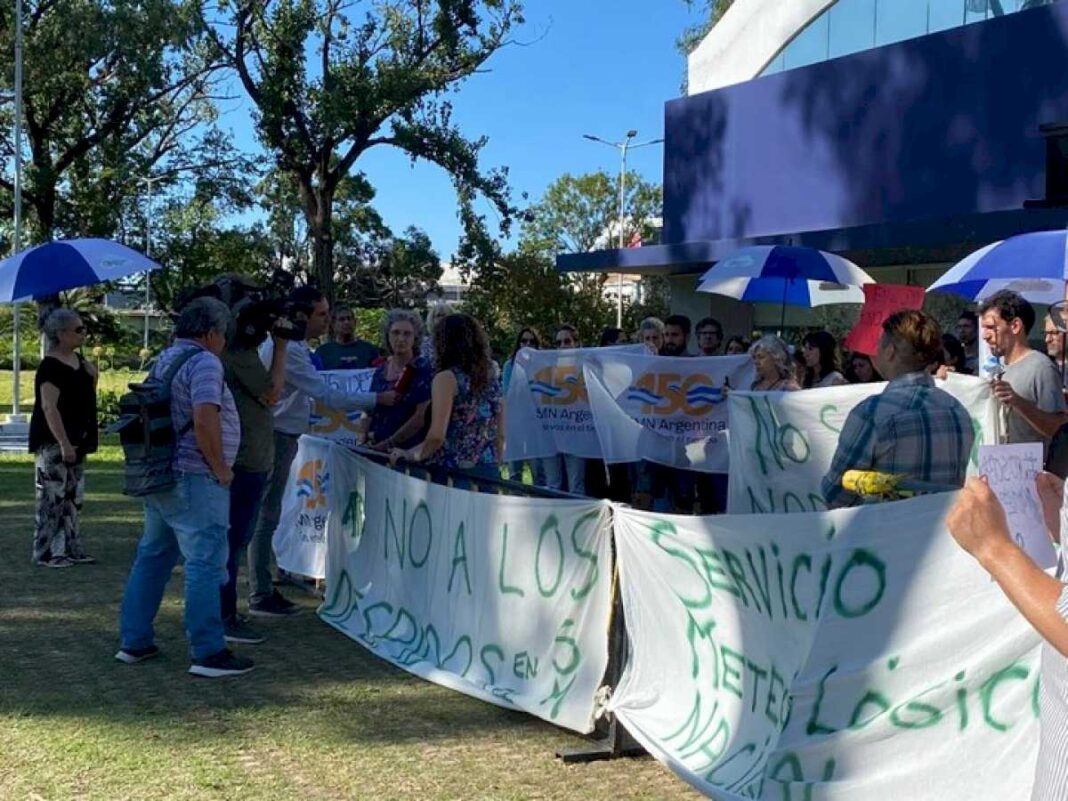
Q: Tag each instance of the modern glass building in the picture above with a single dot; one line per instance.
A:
(902, 134)
(850, 26)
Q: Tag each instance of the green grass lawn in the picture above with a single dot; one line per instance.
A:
(110, 380)
(319, 718)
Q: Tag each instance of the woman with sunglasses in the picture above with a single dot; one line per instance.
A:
(62, 432)
(528, 338)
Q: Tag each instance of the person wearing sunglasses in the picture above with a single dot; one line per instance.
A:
(1055, 341)
(565, 471)
(528, 338)
(63, 431)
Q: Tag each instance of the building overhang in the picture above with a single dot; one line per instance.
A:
(931, 241)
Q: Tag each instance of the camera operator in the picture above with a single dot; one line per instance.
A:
(302, 385)
(255, 391)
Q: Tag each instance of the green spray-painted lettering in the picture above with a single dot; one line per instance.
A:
(550, 526)
(506, 589)
(459, 558)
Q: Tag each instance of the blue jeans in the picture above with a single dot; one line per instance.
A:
(565, 465)
(189, 520)
(246, 496)
(260, 547)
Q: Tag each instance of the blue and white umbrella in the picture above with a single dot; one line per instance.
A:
(1034, 265)
(67, 264)
(791, 276)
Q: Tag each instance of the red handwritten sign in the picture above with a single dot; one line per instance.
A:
(880, 301)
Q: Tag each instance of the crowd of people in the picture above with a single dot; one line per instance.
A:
(436, 398)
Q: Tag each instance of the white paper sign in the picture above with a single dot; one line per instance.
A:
(1011, 471)
(340, 425)
(503, 598)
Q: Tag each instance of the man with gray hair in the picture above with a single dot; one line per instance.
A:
(191, 518)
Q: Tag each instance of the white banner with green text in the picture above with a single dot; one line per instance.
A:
(827, 656)
(782, 443)
(504, 598)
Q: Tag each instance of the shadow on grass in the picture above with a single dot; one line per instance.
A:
(59, 633)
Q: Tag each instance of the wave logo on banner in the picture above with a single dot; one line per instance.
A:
(668, 410)
(668, 393)
(313, 484)
(559, 386)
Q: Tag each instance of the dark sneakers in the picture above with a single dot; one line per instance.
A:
(218, 665)
(274, 605)
(56, 562)
(238, 630)
(131, 656)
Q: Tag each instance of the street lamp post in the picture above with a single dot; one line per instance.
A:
(151, 182)
(623, 147)
(16, 411)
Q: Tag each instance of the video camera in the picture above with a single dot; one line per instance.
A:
(255, 311)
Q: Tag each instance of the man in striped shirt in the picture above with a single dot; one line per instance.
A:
(190, 519)
(911, 428)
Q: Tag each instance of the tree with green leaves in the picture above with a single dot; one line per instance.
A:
(525, 289)
(378, 77)
(394, 272)
(195, 246)
(113, 90)
(580, 213)
(355, 224)
(711, 11)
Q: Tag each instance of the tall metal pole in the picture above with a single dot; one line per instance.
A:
(148, 252)
(622, 240)
(623, 147)
(17, 240)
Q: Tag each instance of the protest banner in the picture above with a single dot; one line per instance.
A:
(547, 408)
(1011, 471)
(880, 301)
(825, 656)
(339, 425)
(668, 410)
(782, 443)
(503, 598)
(299, 541)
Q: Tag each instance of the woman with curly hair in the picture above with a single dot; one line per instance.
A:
(465, 402)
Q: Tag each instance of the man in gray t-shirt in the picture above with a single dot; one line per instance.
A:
(1035, 379)
(1029, 387)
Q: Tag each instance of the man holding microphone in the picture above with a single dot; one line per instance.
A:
(1029, 385)
(303, 385)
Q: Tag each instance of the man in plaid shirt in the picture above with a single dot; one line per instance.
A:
(911, 428)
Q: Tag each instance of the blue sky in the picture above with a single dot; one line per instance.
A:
(590, 66)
